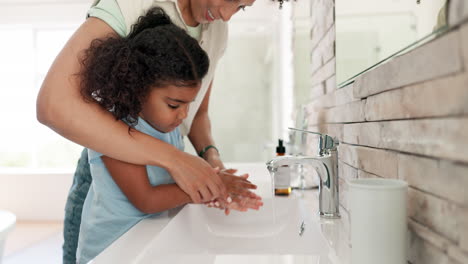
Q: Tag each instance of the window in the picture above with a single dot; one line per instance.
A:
(28, 45)
(27, 53)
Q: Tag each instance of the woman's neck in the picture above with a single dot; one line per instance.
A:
(186, 10)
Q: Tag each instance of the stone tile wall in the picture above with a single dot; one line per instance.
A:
(406, 119)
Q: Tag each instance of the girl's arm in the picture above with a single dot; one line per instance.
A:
(133, 181)
(61, 107)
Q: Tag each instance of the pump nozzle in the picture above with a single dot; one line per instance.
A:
(280, 149)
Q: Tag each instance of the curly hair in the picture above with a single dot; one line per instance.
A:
(118, 73)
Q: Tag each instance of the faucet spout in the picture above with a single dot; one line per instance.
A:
(326, 166)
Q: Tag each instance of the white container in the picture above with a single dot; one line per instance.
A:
(378, 221)
(7, 222)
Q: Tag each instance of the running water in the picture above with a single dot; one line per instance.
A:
(273, 203)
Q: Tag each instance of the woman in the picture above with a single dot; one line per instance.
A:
(60, 106)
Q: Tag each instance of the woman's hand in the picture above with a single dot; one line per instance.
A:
(197, 178)
(212, 157)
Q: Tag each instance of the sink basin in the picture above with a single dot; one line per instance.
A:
(7, 223)
(198, 234)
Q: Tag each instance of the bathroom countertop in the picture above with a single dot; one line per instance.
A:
(128, 248)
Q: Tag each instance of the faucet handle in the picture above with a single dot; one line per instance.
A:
(326, 142)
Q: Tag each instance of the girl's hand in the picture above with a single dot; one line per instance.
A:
(242, 204)
(237, 186)
(239, 203)
(238, 189)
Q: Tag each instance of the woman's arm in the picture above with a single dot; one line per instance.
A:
(200, 133)
(237, 187)
(61, 107)
(133, 181)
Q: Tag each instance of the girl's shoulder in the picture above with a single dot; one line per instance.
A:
(169, 137)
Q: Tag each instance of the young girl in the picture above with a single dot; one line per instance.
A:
(148, 80)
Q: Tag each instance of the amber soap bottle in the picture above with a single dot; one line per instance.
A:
(282, 176)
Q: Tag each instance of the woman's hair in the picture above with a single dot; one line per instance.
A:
(118, 73)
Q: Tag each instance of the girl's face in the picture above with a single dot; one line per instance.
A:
(166, 107)
(207, 11)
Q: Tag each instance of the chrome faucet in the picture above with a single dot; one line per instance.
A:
(326, 165)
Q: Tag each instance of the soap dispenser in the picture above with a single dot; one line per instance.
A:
(282, 176)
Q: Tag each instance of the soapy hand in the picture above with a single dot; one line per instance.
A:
(238, 188)
(238, 203)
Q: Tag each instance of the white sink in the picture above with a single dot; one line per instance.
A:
(7, 223)
(199, 234)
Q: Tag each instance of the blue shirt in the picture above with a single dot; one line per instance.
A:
(107, 213)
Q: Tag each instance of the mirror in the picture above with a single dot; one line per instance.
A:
(368, 32)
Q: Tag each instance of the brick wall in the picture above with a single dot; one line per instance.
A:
(406, 119)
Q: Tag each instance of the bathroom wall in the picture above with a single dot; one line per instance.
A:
(241, 106)
(406, 119)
